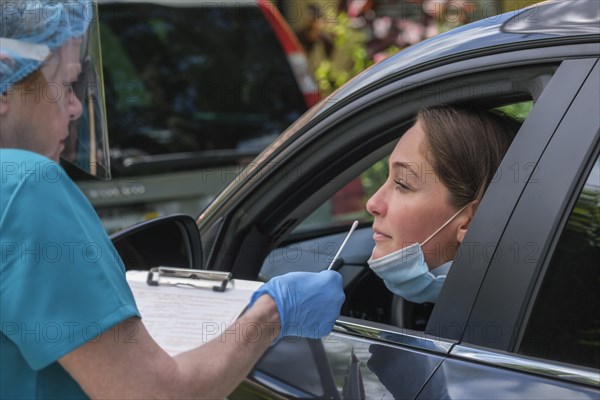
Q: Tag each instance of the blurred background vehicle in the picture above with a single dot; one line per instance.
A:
(195, 89)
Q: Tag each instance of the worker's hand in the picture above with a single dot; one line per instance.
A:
(308, 302)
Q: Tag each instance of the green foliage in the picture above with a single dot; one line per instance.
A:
(518, 111)
(350, 56)
(585, 219)
(373, 178)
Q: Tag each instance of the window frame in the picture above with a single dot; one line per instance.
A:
(559, 185)
(473, 81)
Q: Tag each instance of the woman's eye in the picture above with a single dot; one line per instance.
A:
(69, 86)
(401, 186)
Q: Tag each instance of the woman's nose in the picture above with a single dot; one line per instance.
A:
(376, 205)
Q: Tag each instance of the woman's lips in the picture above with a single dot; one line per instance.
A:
(379, 236)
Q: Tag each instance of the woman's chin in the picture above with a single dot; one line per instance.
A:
(378, 253)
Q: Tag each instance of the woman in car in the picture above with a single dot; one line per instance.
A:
(438, 173)
(69, 323)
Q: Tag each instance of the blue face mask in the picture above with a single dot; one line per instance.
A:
(406, 273)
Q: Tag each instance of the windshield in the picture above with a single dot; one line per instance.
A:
(193, 79)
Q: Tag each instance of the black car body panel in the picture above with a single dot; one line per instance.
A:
(458, 379)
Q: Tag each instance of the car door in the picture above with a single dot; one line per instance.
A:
(533, 331)
(369, 359)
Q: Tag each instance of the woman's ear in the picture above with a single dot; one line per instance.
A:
(465, 220)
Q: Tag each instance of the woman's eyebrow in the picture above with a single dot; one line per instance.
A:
(405, 165)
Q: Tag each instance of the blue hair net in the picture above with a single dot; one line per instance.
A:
(30, 30)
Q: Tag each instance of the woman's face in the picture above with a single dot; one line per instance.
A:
(38, 112)
(412, 204)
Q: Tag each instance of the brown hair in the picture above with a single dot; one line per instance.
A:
(465, 146)
(34, 82)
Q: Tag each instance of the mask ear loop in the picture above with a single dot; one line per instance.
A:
(445, 224)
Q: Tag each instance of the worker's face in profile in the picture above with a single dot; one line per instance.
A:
(36, 112)
(412, 204)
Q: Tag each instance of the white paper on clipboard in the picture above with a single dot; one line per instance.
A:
(180, 318)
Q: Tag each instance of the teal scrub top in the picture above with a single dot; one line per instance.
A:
(62, 282)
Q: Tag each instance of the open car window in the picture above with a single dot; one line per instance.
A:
(311, 246)
(341, 145)
(349, 203)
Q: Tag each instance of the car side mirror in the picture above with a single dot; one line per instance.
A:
(171, 241)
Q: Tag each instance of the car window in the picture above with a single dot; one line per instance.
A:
(565, 320)
(194, 78)
(350, 202)
(315, 241)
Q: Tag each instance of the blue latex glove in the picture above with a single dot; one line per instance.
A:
(308, 302)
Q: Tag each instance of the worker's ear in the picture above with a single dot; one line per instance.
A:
(3, 104)
(465, 220)
(3, 96)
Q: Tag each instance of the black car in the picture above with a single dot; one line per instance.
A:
(519, 315)
(195, 89)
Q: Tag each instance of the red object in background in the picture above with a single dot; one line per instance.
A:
(349, 199)
(294, 51)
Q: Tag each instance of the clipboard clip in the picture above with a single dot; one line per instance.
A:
(217, 280)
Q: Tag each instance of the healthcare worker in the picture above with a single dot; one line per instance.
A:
(69, 324)
(438, 173)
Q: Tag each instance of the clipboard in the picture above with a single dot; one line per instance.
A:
(185, 308)
(190, 277)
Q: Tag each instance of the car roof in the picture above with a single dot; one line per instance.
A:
(547, 23)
